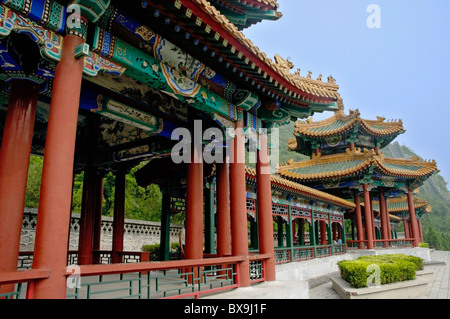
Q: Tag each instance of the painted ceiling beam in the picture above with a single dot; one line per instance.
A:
(51, 43)
(92, 9)
(175, 57)
(143, 67)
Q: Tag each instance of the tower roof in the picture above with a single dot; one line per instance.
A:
(356, 165)
(341, 129)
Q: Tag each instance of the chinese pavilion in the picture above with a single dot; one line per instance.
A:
(100, 86)
(398, 207)
(346, 161)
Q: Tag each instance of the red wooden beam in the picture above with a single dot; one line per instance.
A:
(15, 277)
(95, 270)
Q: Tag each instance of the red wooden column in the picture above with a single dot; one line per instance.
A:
(323, 233)
(119, 217)
(334, 231)
(89, 224)
(413, 219)
(383, 215)
(419, 222)
(14, 162)
(358, 217)
(238, 205)
(388, 219)
(369, 217)
(88, 203)
(372, 215)
(53, 219)
(406, 227)
(194, 204)
(264, 207)
(223, 210)
(98, 207)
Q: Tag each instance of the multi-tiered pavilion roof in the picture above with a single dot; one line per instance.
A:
(345, 152)
(356, 166)
(335, 134)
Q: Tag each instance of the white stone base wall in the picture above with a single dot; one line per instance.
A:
(137, 233)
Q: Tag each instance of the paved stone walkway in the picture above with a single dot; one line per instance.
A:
(440, 263)
(440, 288)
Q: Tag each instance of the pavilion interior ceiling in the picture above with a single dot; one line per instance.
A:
(209, 40)
(136, 115)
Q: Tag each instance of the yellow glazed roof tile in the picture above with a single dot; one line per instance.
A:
(340, 123)
(352, 161)
(280, 66)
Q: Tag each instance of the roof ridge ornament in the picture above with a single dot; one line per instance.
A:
(284, 64)
(331, 80)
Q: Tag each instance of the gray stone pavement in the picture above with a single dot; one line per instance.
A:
(320, 288)
(440, 287)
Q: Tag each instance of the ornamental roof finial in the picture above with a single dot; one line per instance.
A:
(284, 64)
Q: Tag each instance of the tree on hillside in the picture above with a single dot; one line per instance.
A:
(34, 182)
(140, 203)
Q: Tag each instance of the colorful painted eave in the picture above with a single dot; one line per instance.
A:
(356, 162)
(272, 79)
(293, 187)
(244, 14)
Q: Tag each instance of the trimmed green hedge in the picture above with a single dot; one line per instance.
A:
(155, 250)
(393, 268)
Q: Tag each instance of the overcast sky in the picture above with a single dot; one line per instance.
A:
(400, 70)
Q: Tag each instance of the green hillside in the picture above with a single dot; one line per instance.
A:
(436, 226)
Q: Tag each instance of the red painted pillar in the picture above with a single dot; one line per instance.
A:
(14, 162)
(89, 205)
(412, 217)
(323, 233)
(358, 217)
(98, 206)
(53, 219)
(406, 227)
(238, 206)
(86, 234)
(388, 220)
(194, 204)
(372, 215)
(119, 217)
(419, 222)
(223, 210)
(369, 217)
(264, 207)
(383, 215)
